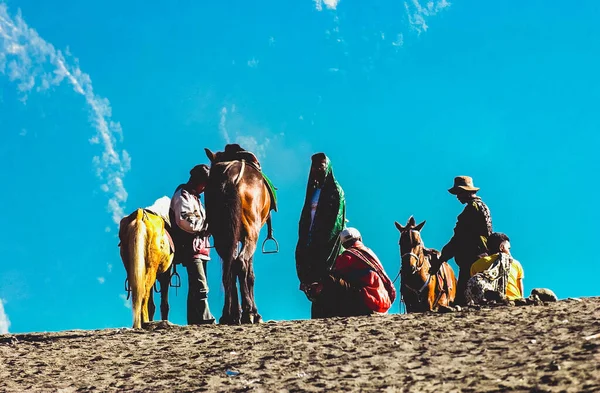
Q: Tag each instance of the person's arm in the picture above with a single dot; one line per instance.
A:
(520, 286)
(448, 250)
(520, 276)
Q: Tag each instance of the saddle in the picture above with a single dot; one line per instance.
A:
(442, 275)
(167, 229)
(234, 152)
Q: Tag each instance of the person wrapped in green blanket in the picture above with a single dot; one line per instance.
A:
(321, 221)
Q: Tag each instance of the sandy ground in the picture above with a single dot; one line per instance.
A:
(549, 348)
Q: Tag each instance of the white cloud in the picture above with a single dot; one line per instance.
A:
(330, 4)
(250, 143)
(417, 14)
(253, 63)
(101, 280)
(4, 321)
(23, 132)
(271, 41)
(399, 40)
(29, 61)
(235, 129)
(333, 69)
(109, 267)
(126, 303)
(222, 125)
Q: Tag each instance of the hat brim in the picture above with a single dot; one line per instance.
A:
(457, 189)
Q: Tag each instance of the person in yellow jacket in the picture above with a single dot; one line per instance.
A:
(499, 243)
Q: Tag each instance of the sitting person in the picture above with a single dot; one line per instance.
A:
(500, 268)
(358, 284)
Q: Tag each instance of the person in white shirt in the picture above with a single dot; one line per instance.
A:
(188, 220)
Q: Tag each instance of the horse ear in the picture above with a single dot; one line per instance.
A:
(400, 227)
(411, 222)
(210, 155)
(420, 226)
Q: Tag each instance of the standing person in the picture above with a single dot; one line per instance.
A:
(321, 221)
(358, 283)
(191, 242)
(473, 227)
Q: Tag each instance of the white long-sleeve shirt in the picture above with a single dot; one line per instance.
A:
(189, 212)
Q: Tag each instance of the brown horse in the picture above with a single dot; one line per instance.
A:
(238, 204)
(146, 252)
(421, 290)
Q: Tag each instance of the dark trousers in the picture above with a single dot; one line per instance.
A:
(197, 300)
(464, 273)
(336, 301)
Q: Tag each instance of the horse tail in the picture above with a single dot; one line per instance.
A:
(137, 266)
(224, 217)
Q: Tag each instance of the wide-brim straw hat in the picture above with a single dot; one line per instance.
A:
(463, 183)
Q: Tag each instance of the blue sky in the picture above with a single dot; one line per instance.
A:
(105, 106)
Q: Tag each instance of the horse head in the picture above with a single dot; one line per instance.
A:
(411, 246)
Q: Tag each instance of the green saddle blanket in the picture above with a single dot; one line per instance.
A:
(272, 191)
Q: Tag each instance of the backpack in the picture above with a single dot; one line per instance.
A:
(493, 279)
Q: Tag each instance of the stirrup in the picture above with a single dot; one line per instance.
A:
(275, 251)
(175, 283)
(127, 288)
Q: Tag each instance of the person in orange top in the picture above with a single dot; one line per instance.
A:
(358, 284)
(499, 243)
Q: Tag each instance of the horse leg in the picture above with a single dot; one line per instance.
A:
(165, 280)
(231, 307)
(256, 317)
(151, 305)
(246, 277)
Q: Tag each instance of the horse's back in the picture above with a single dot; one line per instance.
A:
(153, 228)
(247, 181)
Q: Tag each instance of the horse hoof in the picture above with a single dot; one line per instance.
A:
(251, 318)
(246, 318)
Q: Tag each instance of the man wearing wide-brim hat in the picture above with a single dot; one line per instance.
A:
(473, 227)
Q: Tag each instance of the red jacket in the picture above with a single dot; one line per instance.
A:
(376, 288)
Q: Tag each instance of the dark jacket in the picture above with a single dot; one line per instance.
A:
(473, 227)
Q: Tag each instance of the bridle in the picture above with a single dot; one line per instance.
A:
(420, 259)
(417, 268)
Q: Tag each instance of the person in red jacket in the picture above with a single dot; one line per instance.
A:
(358, 283)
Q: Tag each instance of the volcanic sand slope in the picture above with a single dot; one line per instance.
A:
(549, 348)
